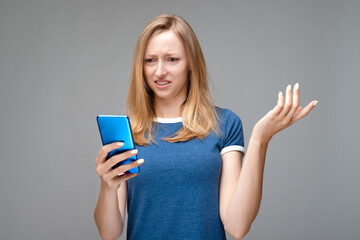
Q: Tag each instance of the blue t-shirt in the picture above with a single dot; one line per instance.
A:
(176, 194)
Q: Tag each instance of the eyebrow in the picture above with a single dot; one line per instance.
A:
(166, 54)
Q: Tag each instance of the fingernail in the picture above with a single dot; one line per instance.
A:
(134, 151)
(280, 94)
(140, 161)
(315, 103)
(288, 87)
(120, 144)
(296, 86)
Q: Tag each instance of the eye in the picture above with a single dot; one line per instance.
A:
(149, 60)
(172, 59)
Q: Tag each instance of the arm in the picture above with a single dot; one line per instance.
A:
(240, 194)
(109, 212)
(110, 209)
(242, 202)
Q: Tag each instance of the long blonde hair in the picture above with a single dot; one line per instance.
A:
(199, 114)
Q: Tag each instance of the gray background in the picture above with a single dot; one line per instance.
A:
(64, 62)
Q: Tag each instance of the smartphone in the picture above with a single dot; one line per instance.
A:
(116, 128)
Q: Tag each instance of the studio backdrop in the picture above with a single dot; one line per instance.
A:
(64, 62)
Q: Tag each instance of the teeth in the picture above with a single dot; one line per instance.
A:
(162, 83)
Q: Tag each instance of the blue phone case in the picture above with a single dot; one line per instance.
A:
(116, 128)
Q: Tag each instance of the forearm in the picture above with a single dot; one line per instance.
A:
(107, 215)
(245, 203)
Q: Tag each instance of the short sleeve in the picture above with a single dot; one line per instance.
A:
(234, 136)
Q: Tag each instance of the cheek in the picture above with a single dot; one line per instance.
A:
(146, 71)
(147, 74)
(182, 71)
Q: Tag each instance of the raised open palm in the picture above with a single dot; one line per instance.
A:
(283, 115)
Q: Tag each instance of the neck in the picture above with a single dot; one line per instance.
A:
(168, 108)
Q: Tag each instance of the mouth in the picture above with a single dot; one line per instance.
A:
(162, 82)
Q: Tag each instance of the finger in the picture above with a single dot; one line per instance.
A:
(120, 179)
(279, 106)
(105, 168)
(119, 158)
(296, 95)
(121, 170)
(128, 176)
(295, 104)
(288, 102)
(117, 181)
(104, 151)
(303, 112)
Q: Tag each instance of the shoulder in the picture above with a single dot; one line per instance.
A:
(226, 116)
(232, 130)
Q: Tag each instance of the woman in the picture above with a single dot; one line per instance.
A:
(189, 186)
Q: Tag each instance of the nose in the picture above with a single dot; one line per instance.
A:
(161, 70)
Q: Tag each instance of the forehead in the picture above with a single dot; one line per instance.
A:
(165, 42)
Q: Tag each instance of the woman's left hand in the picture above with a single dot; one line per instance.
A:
(282, 115)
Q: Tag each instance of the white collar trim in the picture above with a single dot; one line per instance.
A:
(168, 120)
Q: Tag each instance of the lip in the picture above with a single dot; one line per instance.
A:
(162, 86)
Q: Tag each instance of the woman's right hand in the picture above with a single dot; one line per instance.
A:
(113, 178)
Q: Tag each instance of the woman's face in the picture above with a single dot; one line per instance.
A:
(166, 67)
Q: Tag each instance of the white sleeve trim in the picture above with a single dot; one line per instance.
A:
(232, 148)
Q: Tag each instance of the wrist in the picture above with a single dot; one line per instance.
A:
(259, 138)
(105, 188)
